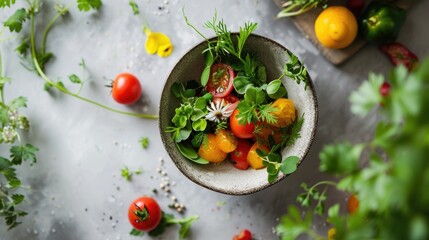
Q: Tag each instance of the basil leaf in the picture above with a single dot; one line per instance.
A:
(275, 89)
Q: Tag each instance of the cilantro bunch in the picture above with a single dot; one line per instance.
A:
(392, 186)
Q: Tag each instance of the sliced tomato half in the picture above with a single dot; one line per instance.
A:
(220, 80)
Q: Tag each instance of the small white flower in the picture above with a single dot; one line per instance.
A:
(9, 134)
(219, 111)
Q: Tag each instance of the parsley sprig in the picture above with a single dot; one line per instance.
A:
(388, 173)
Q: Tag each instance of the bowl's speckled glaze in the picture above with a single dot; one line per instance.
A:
(224, 177)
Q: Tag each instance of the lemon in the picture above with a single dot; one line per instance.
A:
(336, 27)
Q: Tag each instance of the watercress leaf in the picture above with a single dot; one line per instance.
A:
(86, 5)
(261, 153)
(180, 120)
(187, 150)
(241, 84)
(208, 96)
(200, 104)
(254, 95)
(184, 133)
(272, 177)
(14, 22)
(205, 75)
(178, 89)
(197, 114)
(275, 157)
(272, 169)
(289, 165)
(75, 79)
(199, 125)
(135, 232)
(189, 93)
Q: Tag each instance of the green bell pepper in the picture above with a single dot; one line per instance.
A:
(381, 22)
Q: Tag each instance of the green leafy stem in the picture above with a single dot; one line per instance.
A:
(59, 86)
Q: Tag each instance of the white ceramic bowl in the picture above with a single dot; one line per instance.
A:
(224, 177)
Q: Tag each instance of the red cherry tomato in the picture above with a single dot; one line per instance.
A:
(144, 214)
(245, 234)
(239, 155)
(240, 131)
(220, 80)
(126, 89)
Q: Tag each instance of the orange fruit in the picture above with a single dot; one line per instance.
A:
(264, 130)
(285, 112)
(210, 151)
(226, 141)
(253, 158)
(336, 27)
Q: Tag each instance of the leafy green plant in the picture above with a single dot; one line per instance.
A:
(392, 184)
(12, 125)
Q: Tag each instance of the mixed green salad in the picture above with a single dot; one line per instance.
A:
(235, 112)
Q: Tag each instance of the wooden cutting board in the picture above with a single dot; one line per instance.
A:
(305, 23)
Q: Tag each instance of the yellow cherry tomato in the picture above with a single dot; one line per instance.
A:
(210, 151)
(336, 27)
(285, 112)
(253, 158)
(226, 141)
(331, 233)
(264, 130)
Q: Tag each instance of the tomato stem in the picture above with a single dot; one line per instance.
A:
(63, 89)
(141, 214)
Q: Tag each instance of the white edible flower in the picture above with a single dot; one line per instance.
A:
(8, 135)
(218, 111)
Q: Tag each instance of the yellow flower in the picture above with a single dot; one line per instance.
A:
(331, 234)
(157, 42)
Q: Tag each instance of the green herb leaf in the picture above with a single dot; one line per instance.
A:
(293, 225)
(187, 150)
(14, 22)
(135, 7)
(22, 47)
(367, 96)
(144, 142)
(275, 89)
(137, 233)
(254, 95)
(205, 75)
(18, 102)
(17, 198)
(75, 79)
(289, 165)
(340, 159)
(199, 125)
(23, 152)
(6, 3)
(241, 84)
(86, 5)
